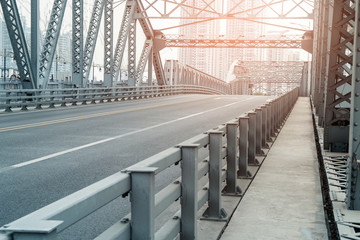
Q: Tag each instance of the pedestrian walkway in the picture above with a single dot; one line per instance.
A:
(284, 200)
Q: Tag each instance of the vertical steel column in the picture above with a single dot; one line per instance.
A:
(231, 187)
(263, 127)
(353, 190)
(323, 58)
(243, 147)
(214, 210)
(35, 39)
(189, 191)
(150, 67)
(259, 131)
(132, 53)
(252, 139)
(78, 42)
(108, 44)
(142, 203)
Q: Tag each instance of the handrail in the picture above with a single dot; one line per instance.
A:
(255, 128)
(24, 98)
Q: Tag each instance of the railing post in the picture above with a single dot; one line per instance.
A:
(268, 122)
(277, 113)
(258, 112)
(252, 139)
(231, 187)
(142, 203)
(8, 101)
(214, 210)
(189, 191)
(38, 100)
(263, 126)
(273, 113)
(52, 98)
(243, 147)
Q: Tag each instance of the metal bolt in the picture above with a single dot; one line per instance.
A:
(205, 188)
(124, 220)
(357, 80)
(356, 109)
(176, 217)
(358, 64)
(356, 94)
(176, 182)
(356, 124)
(355, 139)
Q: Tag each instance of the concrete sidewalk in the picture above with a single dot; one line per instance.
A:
(284, 200)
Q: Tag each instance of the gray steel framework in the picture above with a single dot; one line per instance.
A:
(284, 9)
(18, 42)
(132, 54)
(121, 41)
(78, 42)
(35, 38)
(276, 77)
(338, 89)
(353, 183)
(170, 41)
(108, 43)
(92, 34)
(50, 41)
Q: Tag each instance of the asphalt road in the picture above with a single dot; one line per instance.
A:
(48, 154)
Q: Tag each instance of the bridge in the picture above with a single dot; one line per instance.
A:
(122, 137)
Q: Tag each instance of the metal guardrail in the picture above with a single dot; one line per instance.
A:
(227, 161)
(24, 98)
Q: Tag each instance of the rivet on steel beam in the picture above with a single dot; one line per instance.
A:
(358, 64)
(356, 124)
(124, 220)
(355, 139)
(356, 94)
(357, 80)
(356, 109)
(175, 217)
(358, 48)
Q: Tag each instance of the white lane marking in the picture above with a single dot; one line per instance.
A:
(113, 138)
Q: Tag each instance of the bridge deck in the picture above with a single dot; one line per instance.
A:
(284, 201)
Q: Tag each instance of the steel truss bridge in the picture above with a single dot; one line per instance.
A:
(335, 66)
(35, 61)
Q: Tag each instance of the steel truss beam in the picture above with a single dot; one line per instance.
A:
(121, 41)
(132, 54)
(35, 39)
(91, 38)
(147, 50)
(77, 42)
(232, 43)
(18, 43)
(323, 48)
(353, 180)
(108, 44)
(150, 34)
(274, 78)
(50, 42)
(177, 73)
(338, 90)
(284, 9)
